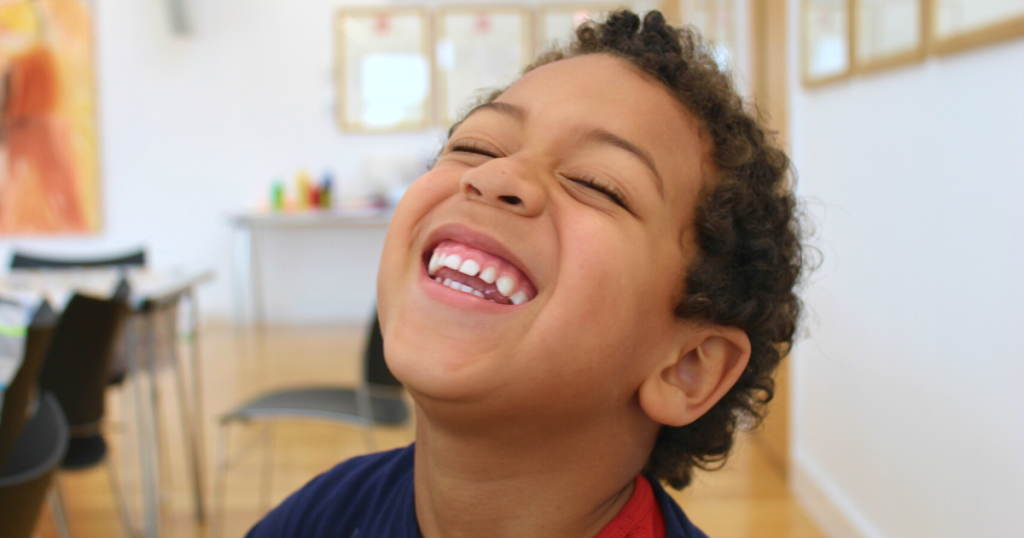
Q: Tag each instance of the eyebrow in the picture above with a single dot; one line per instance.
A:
(600, 136)
(604, 137)
(515, 111)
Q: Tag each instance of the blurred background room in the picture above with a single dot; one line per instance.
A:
(194, 195)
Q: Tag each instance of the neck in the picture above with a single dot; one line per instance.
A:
(540, 484)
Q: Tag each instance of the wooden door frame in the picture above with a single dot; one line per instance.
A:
(770, 81)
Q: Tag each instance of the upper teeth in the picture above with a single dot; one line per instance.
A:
(469, 267)
(488, 275)
(506, 284)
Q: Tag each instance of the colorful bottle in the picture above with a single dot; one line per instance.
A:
(302, 185)
(314, 197)
(326, 194)
(277, 195)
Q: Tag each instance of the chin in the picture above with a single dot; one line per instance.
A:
(433, 365)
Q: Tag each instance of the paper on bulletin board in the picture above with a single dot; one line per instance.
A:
(887, 28)
(716, 20)
(826, 39)
(384, 76)
(479, 51)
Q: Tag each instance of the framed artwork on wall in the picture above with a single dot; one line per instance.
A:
(49, 154)
(382, 69)
(557, 23)
(964, 24)
(478, 49)
(888, 33)
(825, 40)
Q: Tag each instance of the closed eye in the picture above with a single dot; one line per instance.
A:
(608, 190)
(469, 146)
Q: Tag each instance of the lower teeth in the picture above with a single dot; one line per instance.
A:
(460, 287)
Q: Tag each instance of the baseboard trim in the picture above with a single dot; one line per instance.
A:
(832, 509)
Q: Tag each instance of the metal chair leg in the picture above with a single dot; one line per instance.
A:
(267, 475)
(119, 499)
(57, 509)
(365, 409)
(220, 479)
(129, 453)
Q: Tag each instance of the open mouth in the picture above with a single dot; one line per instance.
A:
(476, 272)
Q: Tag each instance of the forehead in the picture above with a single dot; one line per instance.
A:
(599, 91)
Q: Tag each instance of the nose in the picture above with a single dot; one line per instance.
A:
(506, 185)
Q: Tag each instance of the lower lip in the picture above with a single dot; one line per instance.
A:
(458, 299)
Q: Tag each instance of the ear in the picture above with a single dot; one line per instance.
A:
(704, 365)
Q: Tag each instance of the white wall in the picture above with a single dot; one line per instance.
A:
(195, 127)
(908, 401)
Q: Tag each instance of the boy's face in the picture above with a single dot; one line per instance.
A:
(600, 279)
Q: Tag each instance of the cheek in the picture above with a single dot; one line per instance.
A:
(608, 309)
(606, 269)
(398, 256)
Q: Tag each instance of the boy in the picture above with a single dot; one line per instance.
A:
(585, 295)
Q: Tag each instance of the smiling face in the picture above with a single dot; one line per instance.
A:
(572, 195)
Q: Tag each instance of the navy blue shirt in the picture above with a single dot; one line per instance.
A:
(372, 497)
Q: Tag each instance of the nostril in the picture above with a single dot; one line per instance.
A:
(510, 200)
(474, 191)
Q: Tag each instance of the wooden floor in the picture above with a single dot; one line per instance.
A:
(746, 499)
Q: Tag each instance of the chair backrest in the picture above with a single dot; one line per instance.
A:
(78, 364)
(26, 478)
(21, 394)
(21, 260)
(375, 369)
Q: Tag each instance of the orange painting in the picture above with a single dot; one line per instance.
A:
(49, 164)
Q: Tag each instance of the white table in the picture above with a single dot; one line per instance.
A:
(151, 291)
(250, 229)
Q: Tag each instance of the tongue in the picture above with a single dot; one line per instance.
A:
(490, 291)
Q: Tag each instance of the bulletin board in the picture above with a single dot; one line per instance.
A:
(383, 66)
(825, 45)
(478, 49)
(843, 37)
(965, 24)
(888, 33)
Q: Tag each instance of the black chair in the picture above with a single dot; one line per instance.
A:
(22, 393)
(376, 401)
(30, 469)
(33, 435)
(76, 372)
(135, 258)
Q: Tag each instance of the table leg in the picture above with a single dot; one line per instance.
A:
(143, 423)
(241, 264)
(196, 429)
(256, 273)
(150, 369)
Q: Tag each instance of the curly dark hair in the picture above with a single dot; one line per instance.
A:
(750, 256)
